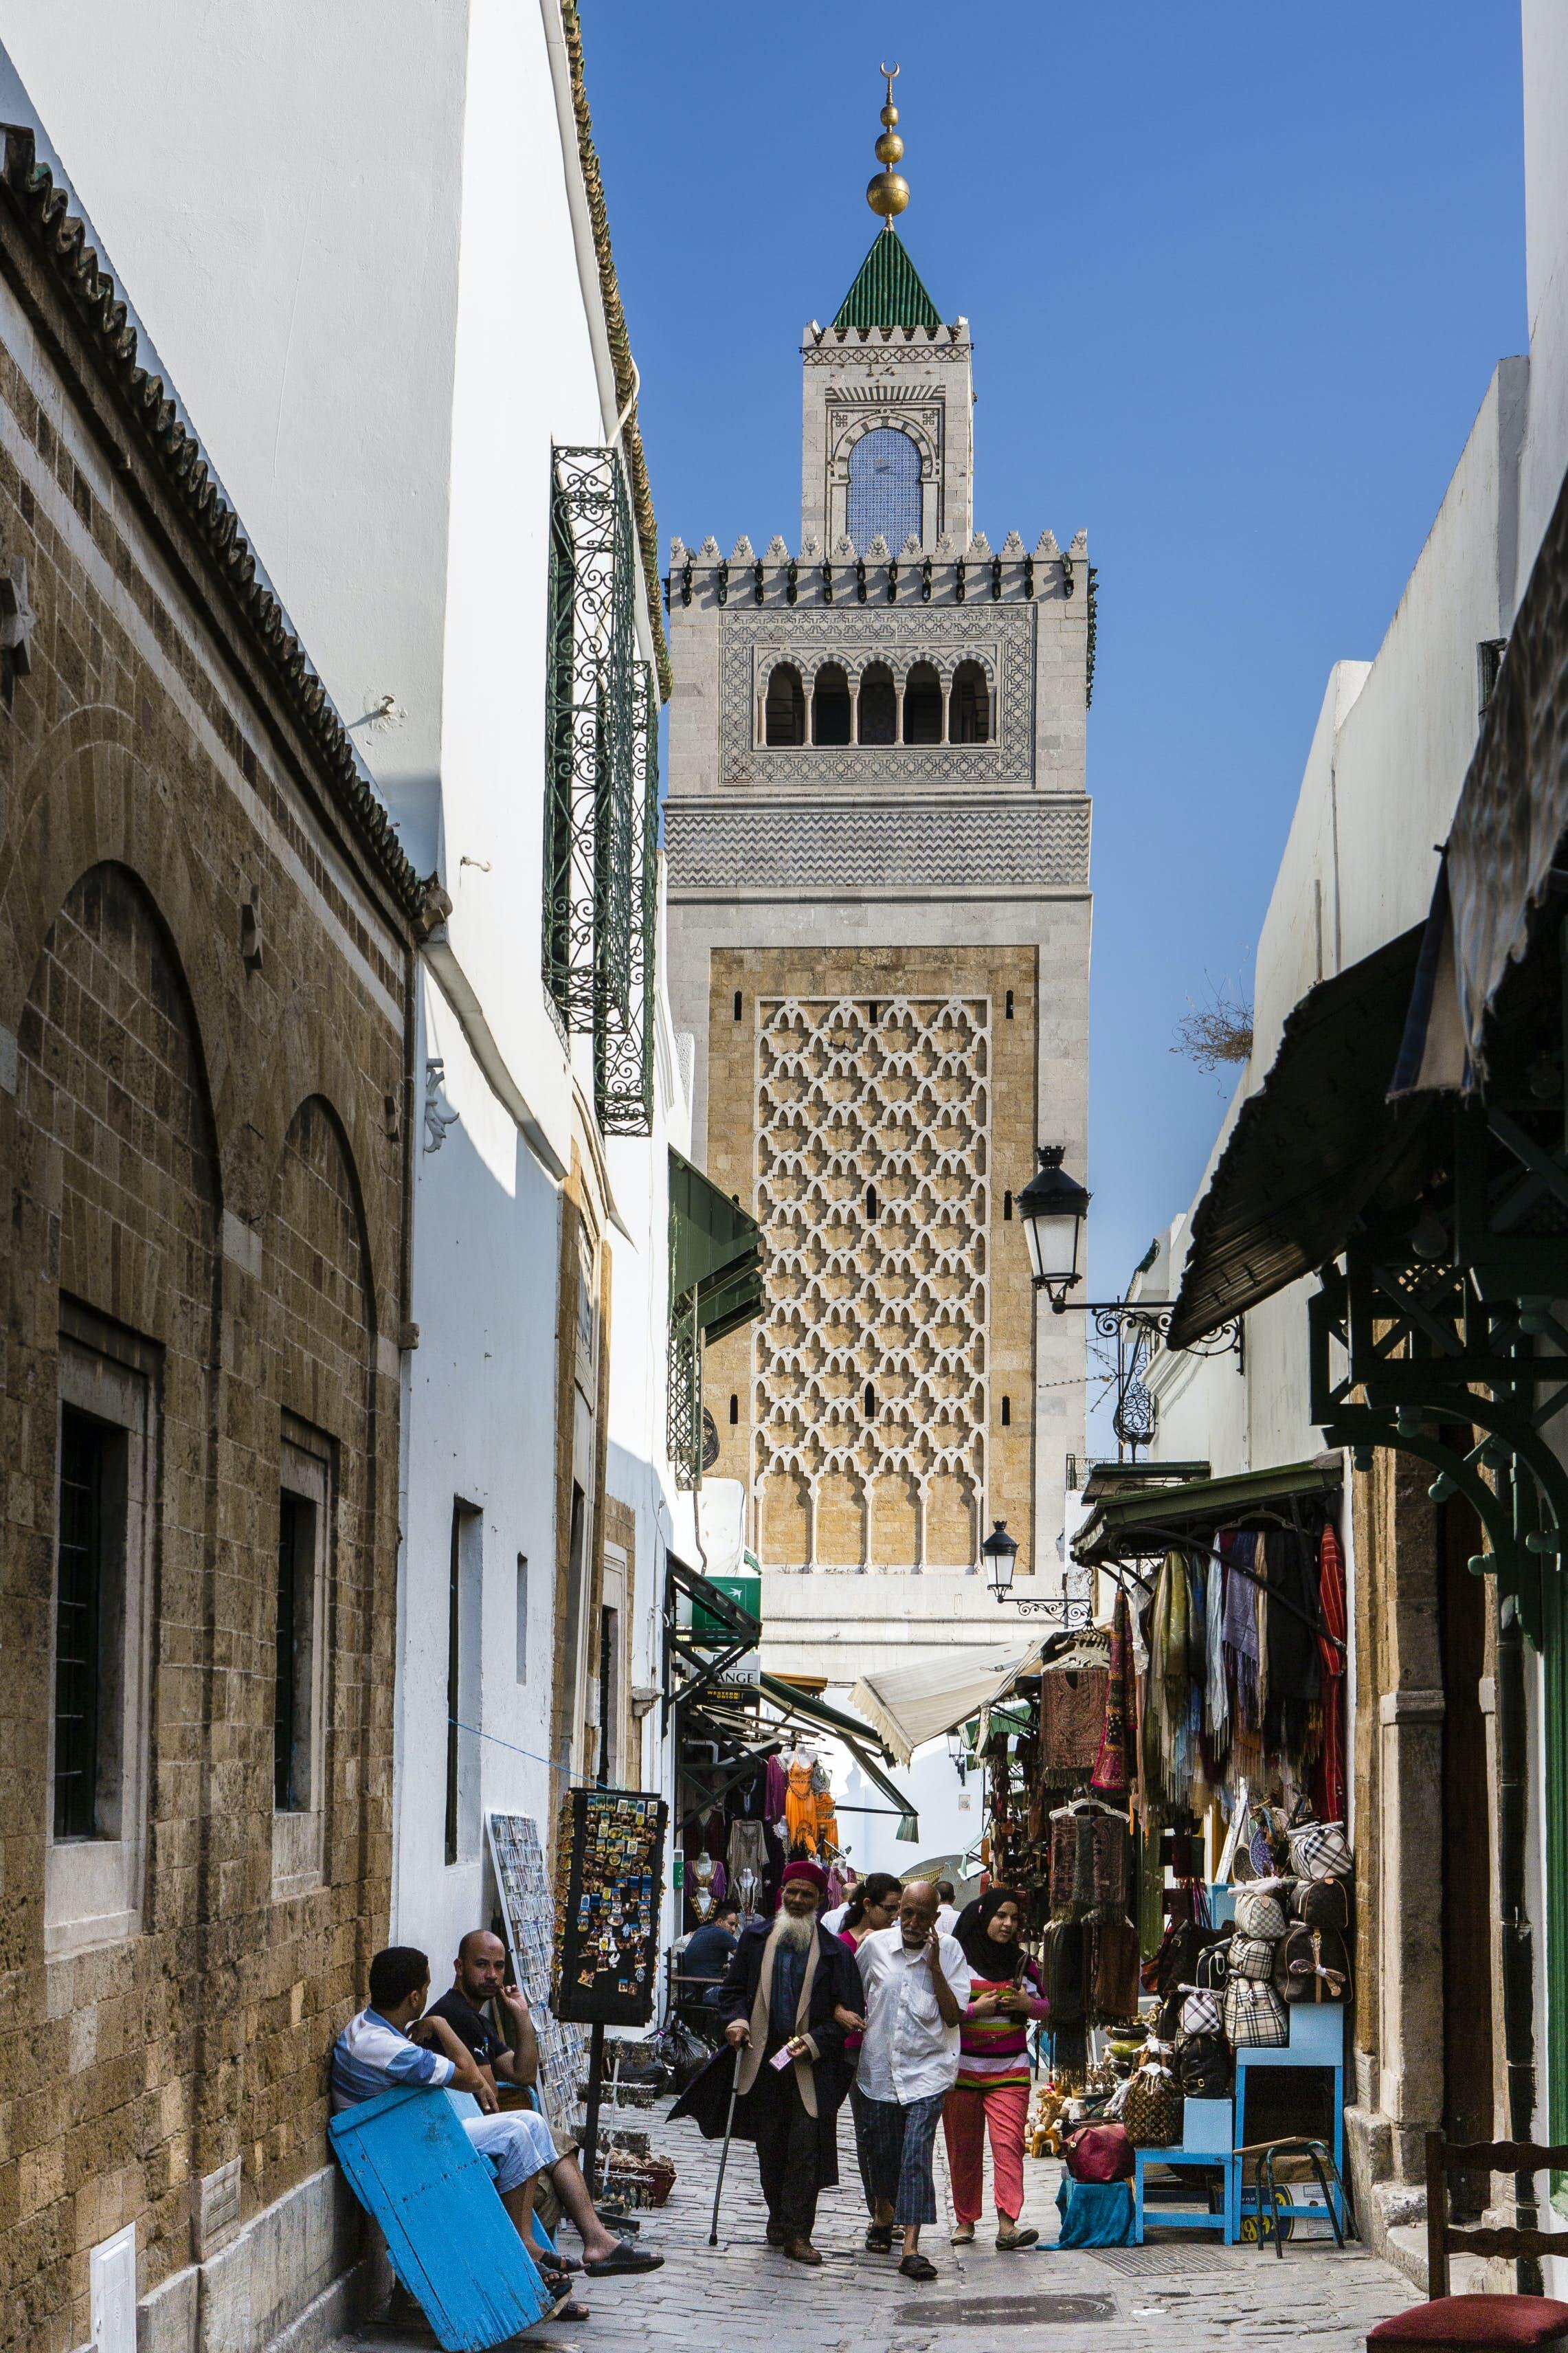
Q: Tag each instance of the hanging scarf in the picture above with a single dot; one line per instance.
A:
(1216, 1696)
(1329, 1780)
(1239, 1622)
(1072, 1721)
(1115, 1765)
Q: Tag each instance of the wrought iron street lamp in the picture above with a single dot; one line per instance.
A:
(1053, 1208)
(1000, 1554)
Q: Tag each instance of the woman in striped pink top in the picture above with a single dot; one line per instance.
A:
(992, 2093)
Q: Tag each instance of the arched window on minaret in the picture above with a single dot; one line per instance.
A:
(878, 703)
(922, 705)
(884, 488)
(969, 720)
(830, 706)
(784, 711)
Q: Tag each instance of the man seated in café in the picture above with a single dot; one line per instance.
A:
(478, 1976)
(706, 1953)
(390, 2043)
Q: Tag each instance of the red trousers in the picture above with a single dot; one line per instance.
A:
(967, 2117)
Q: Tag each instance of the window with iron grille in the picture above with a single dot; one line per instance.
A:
(884, 489)
(601, 787)
(83, 1572)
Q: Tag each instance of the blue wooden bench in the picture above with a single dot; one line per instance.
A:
(451, 2242)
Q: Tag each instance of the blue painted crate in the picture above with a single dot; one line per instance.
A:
(414, 2170)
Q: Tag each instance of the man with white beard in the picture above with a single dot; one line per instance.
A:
(915, 1985)
(788, 1996)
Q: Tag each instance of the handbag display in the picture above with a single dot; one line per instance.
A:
(1259, 1912)
(1205, 2068)
(1320, 1902)
(1255, 2016)
(1312, 1965)
(1202, 2012)
(1321, 1851)
(1151, 2111)
(1251, 1957)
(1098, 2153)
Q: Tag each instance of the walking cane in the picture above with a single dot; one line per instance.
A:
(724, 2152)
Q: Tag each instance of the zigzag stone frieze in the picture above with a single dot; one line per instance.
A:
(1018, 844)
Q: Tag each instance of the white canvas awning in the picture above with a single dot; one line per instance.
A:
(912, 1704)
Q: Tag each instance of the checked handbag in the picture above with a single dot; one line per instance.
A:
(1320, 1851)
(1251, 1957)
(1202, 2012)
(1255, 2015)
(1259, 1911)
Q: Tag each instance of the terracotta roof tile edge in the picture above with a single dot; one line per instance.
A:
(620, 345)
(91, 292)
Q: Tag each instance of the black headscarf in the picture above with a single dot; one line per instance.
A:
(984, 1956)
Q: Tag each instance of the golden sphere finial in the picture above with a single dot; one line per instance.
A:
(888, 192)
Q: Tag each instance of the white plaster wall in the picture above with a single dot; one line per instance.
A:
(279, 188)
(1544, 26)
(478, 1404)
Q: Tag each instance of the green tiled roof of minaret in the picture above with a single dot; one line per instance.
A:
(887, 292)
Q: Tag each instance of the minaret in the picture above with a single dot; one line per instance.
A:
(877, 857)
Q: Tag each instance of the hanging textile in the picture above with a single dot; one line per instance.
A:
(1217, 1695)
(1115, 1765)
(1240, 1626)
(1329, 1779)
(1291, 1650)
(1072, 1721)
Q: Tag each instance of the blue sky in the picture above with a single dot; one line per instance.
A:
(1237, 276)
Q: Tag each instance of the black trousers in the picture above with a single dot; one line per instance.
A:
(787, 2152)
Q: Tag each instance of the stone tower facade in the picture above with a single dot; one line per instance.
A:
(877, 839)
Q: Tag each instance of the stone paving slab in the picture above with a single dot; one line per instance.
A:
(1178, 2295)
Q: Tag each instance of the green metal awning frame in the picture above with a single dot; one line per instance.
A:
(715, 1253)
(1310, 1150)
(1145, 1526)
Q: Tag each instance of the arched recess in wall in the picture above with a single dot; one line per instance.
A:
(969, 711)
(922, 704)
(878, 705)
(884, 488)
(110, 1068)
(784, 711)
(320, 1300)
(830, 705)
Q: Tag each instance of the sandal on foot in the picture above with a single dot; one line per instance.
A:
(918, 2267)
(624, 2257)
(962, 2235)
(880, 2238)
(1013, 2241)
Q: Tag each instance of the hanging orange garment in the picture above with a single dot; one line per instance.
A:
(800, 1808)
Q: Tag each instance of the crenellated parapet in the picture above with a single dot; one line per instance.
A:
(953, 573)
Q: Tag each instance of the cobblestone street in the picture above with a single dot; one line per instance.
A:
(1183, 2295)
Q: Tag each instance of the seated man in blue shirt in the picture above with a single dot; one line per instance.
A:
(390, 2042)
(707, 1951)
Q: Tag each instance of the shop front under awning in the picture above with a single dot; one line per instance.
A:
(1145, 1525)
(909, 1705)
(1310, 1149)
(857, 1738)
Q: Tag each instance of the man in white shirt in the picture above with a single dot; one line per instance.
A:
(946, 1910)
(917, 1990)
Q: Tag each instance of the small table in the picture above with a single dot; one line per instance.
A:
(1206, 2137)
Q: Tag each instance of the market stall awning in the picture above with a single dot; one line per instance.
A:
(857, 1738)
(715, 1248)
(1308, 1150)
(1143, 1526)
(912, 1704)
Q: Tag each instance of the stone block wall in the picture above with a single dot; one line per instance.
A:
(204, 1010)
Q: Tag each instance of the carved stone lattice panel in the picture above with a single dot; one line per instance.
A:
(1004, 635)
(1029, 844)
(870, 1366)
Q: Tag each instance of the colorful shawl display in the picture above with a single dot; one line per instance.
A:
(1116, 1763)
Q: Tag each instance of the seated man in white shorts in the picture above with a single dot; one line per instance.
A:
(390, 2043)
